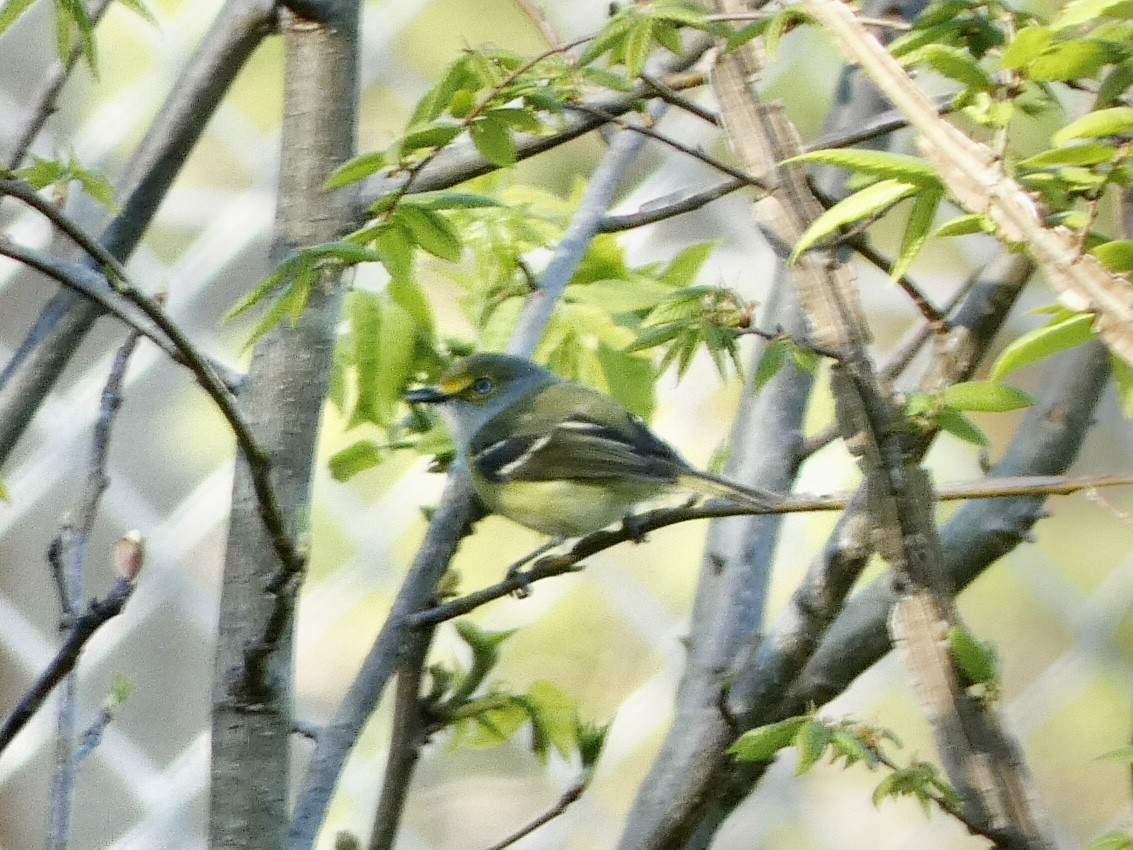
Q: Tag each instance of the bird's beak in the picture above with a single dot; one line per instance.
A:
(426, 395)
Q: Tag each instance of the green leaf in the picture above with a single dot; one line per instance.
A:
(121, 687)
(1122, 754)
(1117, 255)
(638, 43)
(894, 166)
(965, 225)
(430, 136)
(1086, 154)
(1027, 45)
(762, 743)
(653, 336)
(987, 396)
(869, 201)
(524, 120)
(975, 659)
(97, 186)
(1058, 335)
(141, 10)
(10, 12)
(290, 303)
(619, 296)
(1123, 378)
(629, 379)
(959, 425)
(385, 339)
(740, 37)
(812, 740)
(1114, 84)
(1078, 12)
(450, 201)
(678, 14)
(431, 231)
(591, 740)
(684, 267)
(952, 62)
(357, 457)
(1118, 839)
(770, 362)
(554, 714)
(355, 169)
(916, 230)
(493, 141)
(396, 251)
(406, 292)
(1104, 122)
(1069, 60)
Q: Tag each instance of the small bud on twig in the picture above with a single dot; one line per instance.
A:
(129, 553)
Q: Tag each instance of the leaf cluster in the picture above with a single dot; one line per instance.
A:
(946, 409)
(848, 742)
(486, 715)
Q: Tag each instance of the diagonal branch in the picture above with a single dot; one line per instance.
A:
(974, 175)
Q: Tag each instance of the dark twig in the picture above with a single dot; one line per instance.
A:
(882, 125)
(410, 734)
(649, 521)
(93, 286)
(653, 212)
(67, 557)
(675, 98)
(571, 795)
(695, 153)
(258, 462)
(97, 613)
(861, 244)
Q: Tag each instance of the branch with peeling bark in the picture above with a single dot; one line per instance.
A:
(975, 177)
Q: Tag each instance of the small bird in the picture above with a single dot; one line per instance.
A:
(556, 456)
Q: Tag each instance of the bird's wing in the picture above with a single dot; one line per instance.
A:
(574, 436)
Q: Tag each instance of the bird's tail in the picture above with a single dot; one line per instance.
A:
(707, 484)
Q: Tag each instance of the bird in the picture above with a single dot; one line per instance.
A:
(556, 456)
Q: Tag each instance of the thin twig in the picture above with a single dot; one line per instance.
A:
(884, 23)
(259, 464)
(695, 153)
(675, 98)
(643, 523)
(860, 243)
(571, 795)
(93, 286)
(44, 102)
(97, 613)
(653, 212)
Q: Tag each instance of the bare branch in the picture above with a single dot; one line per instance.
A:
(97, 613)
(571, 795)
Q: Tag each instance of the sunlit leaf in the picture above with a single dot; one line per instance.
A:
(762, 743)
(916, 230)
(894, 166)
(357, 457)
(987, 396)
(869, 201)
(1093, 125)
(1062, 333)
(975, 659)
(356, 169)
(493, 141)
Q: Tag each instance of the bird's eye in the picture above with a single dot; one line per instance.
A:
(483, 386)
